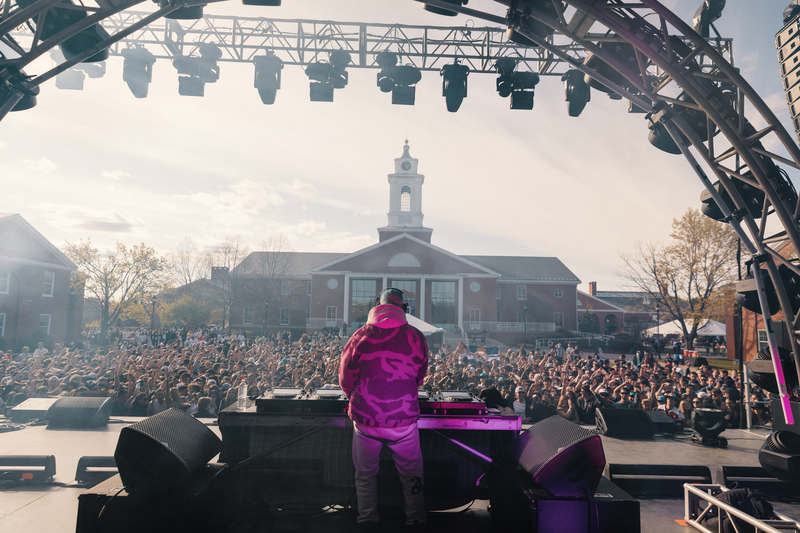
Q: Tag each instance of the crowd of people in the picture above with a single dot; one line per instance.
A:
(146, 372)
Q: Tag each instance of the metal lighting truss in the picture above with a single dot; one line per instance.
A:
(675, 70)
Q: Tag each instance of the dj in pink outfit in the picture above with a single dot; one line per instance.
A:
(382, 367)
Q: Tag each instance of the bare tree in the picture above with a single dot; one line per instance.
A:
(116, 281)
(273, 264)
(228, 254)
(690, 277)
(188, 262)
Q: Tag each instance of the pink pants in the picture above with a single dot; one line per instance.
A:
(403, 442)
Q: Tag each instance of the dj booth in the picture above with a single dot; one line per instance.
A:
(296, 448)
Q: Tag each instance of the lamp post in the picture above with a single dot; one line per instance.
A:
(153, 316)
(658, 331)
(525, 323)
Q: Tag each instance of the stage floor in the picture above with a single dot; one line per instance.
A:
(53, 508)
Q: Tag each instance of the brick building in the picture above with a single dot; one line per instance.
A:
(617, 310)
(36, 298)
(508, 296)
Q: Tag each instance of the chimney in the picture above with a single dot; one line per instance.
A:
(219, 274)
(593, 288)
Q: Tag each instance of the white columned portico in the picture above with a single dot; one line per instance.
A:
(421, 301)
(461, 303)
(346, 307)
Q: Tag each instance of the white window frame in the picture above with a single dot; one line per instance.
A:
(49, 322)
(522, 292)
(308, 288)
(247, 315)
(499, 292)
(558, 293)
(761, 340)
(520, 317)
(331, 314)
(497, 316)
(2, 325)
(5, 281)
(284, 316)
(558, 317)
(286, 288)
(474, 315)
(52, 283)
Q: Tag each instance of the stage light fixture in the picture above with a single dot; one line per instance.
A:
(709, 423)
(661, 112)
(780, 455)
(70, 80)
(454, 84)
(443, 11)
(708, 12)
(515, 19)
(761, 370)
(198, 70)
(397, 79)
(505, 70)
(747, 295)
(753, 197)
(576, 92)
(87, 38)
(15, 83)
(523, 88)
(137, 70)
(268, 76)
(325, 77)
(621, 51)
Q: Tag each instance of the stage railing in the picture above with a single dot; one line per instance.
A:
(695, 494)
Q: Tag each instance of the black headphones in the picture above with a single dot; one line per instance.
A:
(393, 297)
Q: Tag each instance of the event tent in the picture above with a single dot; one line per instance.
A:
(433, 335)
(712, 329)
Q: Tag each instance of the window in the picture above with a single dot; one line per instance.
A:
(499, 290)
(404, 260)
(763, 343)
(330, 315)
(409, 288)
(332, 283)
(284, 316)
(522, 292)
(474, 315)
(443, 303)
(558, 293)
(248, 287)
(362, 298)
(308, 314)
(558, 318)
(520, 316)
(247, 317)
(2, 325)
(497, 316)
(49, 279)
(5, 279)
(44, 324)
(474, 286)
(405, 198)
(286, 288)
(308, 288)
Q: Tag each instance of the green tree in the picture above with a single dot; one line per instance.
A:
(690, 278)
(588, 322)
(115, 281)
(189, 311)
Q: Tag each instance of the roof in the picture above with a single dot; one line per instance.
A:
(64, 261)
(298, 263)
(630, 301)
(526, 268)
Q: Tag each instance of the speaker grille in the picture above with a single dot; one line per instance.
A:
(79, 412)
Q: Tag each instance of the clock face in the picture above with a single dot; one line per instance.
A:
(406, 165)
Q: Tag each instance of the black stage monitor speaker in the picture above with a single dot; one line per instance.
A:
(161, 453)
(562, 457)
(624, 423)
(663, 424)
(79, 412)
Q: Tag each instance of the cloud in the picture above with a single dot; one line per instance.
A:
(245, 196)
(43, 165)
(308, 234)
(115, 174)
(77, 217)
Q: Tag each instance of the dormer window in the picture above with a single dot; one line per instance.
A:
(405, 198)
(404, 259)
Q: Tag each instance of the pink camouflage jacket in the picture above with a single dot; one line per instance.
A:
(382, 366)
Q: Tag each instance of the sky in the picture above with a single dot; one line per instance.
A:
(100, 164)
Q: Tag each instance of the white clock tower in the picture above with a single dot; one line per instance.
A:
(405, 200)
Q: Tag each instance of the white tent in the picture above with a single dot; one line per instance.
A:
(424, 327)
(712, 329)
